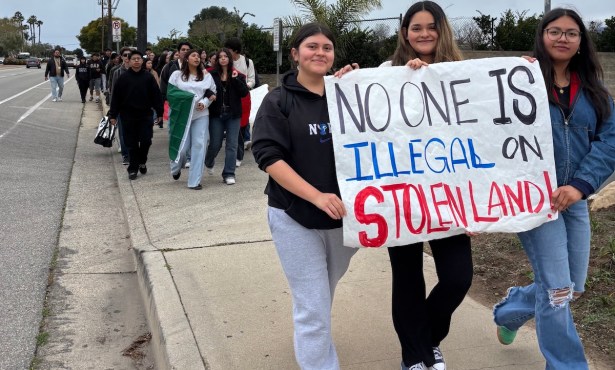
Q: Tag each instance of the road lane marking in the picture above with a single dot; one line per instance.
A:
(29, 112)
(25, 91)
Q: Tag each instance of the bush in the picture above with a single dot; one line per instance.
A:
(14, 61)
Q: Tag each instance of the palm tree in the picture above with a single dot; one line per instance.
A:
(18, 18)
(32, 21)
(39, 23)
(340, 16)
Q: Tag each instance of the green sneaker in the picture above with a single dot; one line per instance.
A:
(506, 336)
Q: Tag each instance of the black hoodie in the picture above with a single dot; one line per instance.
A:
(303, 140)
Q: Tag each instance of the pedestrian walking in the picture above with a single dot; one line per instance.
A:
(135, 94)
(583, 126)
(96, 72)
(82, 75)
(305, 210)
(190, 91)
(55, 71)
(225, 115)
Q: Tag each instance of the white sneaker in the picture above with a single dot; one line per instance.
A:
(238, 163)
(210, 170)
(54, 99)
(247, 145)
(229, 181)
(119, 149)
(187, 165)
(419, 366)
(59, 98)
(440, 364)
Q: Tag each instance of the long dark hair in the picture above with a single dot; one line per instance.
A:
(186, 67)
(585, 63)
(229, 68)
(446, 47)
(162, 60)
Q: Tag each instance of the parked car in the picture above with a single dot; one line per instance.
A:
(71, 62)
(33, 62)
(1, 60)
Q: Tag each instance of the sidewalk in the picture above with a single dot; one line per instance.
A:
(217, 299)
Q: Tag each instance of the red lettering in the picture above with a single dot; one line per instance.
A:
(549, 188)
(528, 197)
(437, 204)
(515, 199)
(457, 209)
(408, 208)
(495, 190)
(393, 189)
(477, 217)
(374, 218)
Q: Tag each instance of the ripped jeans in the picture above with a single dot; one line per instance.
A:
(559, 254)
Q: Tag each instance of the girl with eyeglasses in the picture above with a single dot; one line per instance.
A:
(583, 127)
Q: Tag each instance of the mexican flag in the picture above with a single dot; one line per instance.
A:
(181, 104)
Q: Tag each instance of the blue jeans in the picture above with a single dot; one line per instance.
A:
(216, 131)
(559, 254)
(57, 83)
(197, 137)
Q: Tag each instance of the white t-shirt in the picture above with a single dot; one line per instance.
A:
(241, 65)
(198, 88)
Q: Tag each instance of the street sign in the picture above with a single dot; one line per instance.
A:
(116, 27)
(277, 34)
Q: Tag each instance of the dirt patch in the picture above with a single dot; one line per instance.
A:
(500, 262)
(139, 352)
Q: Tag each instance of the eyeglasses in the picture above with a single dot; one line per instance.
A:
(126, 55)
(182, 49)
(555, 34)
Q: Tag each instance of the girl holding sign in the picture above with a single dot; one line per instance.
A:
(421, 322)
(583, 126)
(305, 210)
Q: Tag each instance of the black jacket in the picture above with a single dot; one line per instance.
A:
(82, 73)
(236, 90)
(167, 70)
(134, 96)
(303, 140)
(50, 70)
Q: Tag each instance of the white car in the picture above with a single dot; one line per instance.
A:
(71, 62)
(1, 60)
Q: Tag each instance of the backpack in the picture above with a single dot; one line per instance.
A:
(287, 98)
(257, 80)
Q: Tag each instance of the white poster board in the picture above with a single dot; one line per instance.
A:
(448, 148)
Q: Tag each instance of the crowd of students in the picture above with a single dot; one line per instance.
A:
(208, 100)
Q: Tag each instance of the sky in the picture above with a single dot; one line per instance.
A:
(63, 19)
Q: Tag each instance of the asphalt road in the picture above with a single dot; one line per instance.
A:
(37, 147)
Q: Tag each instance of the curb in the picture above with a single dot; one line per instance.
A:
(173, 342)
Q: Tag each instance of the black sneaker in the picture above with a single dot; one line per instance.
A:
(91, 98)
(198, 187)
(177, 175)
(125, 161)
(132, 175)
(143, 169)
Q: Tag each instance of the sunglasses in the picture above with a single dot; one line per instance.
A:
(126, 55)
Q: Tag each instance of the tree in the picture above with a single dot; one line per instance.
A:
(10, 37)
(18, 18)
(214, 23)
(516, 31)
(32, 24)
(341, 17)
(485, 40)
(90, 37)
(606, 38)
(39, 23)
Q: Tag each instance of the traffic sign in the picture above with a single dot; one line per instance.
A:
(116, 26)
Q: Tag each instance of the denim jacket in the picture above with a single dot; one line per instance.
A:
(584, 156)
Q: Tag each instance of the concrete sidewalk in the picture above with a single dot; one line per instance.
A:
(217, 298)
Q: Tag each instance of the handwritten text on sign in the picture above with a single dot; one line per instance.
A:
(450, 147)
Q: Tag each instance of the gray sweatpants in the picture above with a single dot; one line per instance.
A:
(313, 261)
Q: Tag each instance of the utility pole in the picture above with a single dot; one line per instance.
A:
(142, 25)
(109, 23)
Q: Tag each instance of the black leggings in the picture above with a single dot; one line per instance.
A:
(422, 323)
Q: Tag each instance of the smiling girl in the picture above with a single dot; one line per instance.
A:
(305, 210)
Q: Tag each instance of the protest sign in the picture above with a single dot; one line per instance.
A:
(448, 148)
